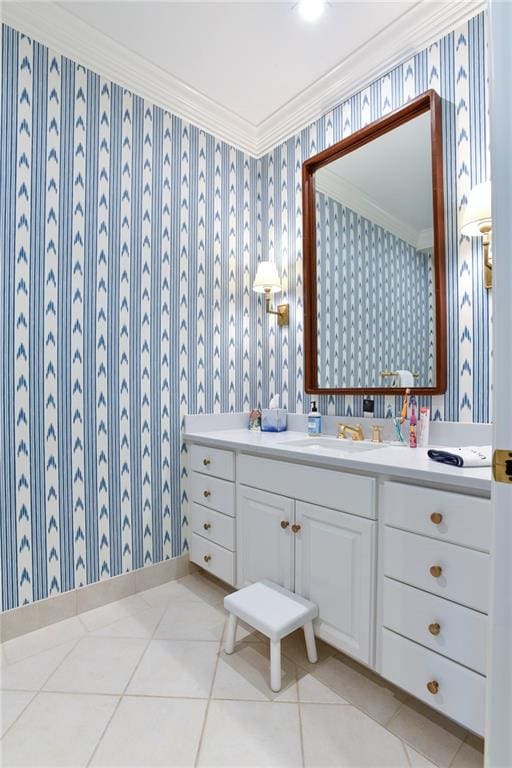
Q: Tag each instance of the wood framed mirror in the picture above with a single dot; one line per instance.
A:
(374, 257)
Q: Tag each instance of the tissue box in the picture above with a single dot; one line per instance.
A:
(273, 420)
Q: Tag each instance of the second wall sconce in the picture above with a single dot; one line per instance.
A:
(267, 281)
(476, 222)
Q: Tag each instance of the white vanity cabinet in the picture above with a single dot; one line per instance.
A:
(212, 510)
(434, 587)
(399, 570)
(334, 567)
(265, 542)
(323, 554)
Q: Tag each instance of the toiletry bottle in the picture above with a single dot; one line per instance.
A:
(314, 420)
(413, 442)
(424, 427)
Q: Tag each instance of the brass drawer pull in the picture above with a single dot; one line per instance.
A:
(436, 571)
(206, 494)
(434, 628)
(295, 528)
(433, 686)
(207, 526)
(207, 558)
(284, 524)
(436, 518)
(206, 462)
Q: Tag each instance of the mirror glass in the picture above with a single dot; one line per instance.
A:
(375, 266)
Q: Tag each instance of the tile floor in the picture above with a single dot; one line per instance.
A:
(144, 682)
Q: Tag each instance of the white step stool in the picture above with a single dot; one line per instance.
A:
(275, 612)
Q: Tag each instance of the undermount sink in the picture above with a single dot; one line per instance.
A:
(330, 444)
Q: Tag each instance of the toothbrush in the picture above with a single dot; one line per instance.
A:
(413, 442)
(405, 406)
(399, 420)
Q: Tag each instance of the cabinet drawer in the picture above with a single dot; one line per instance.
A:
(464, 574)
(219, 561)
(462, 631)
(452, 517)
(213, 526)
(213, 493)
(213, 461)
(354, 494)
(461, 693)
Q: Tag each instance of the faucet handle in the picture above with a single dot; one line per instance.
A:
(377, 433)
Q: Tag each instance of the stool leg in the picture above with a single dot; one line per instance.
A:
(275, 665)
(231, 633)
(309, 637)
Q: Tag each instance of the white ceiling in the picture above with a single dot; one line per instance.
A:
(250, 73)
(251, 58)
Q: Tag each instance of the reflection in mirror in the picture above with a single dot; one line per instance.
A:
(375, 281)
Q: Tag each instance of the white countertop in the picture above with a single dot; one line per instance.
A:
(398, 462)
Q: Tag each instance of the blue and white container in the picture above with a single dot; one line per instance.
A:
(314, 420)
(273, 418)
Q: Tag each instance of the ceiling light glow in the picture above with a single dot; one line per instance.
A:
(311, 10)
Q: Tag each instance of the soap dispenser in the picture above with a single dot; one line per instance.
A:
(314, 420)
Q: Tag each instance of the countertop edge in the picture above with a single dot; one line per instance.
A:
(462, 483)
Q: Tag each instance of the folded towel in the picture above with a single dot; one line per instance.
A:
(405, 379)
(468, 456)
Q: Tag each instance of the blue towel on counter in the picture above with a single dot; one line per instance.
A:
(467, 456)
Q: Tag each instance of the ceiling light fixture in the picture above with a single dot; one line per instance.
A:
(311, 10)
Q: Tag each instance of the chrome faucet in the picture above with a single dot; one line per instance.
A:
(357, 431)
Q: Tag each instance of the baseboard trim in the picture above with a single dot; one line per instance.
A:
(42, 613)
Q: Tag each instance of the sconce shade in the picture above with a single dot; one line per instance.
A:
(267, 278)
(477, 213)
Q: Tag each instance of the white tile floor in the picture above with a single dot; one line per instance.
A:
(144, 682)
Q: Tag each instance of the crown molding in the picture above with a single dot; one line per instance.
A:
(421, 25)
(69, 36)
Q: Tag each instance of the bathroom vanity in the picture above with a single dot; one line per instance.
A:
(392, 547)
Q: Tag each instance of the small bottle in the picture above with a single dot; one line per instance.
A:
(413, 441)
(314, 420)
(424, 427)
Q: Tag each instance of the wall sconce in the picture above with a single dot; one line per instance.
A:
(476, 222)
(267, 281)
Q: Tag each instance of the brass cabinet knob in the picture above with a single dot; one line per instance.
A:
(436, 518)
(433, 686)
(284, 524)
(207, 526)
(435, 571)
(207, 558)
(206, 462)
(206, 494)
(434, 628)
(295, 528)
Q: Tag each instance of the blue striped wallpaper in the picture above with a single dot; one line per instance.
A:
(374, 301)
(129, 241)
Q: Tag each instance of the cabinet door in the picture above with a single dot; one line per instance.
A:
(264, 546)
(334, 556)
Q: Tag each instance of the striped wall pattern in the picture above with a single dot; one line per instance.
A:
(455, 67)
(128, 243)
(374, 300)
(129, 240)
